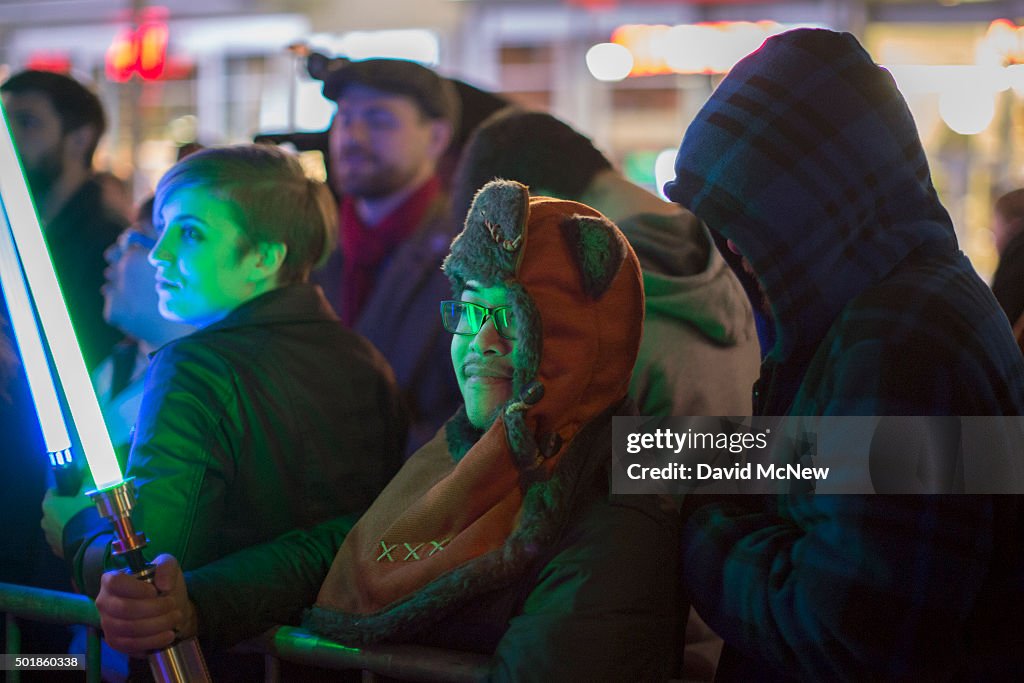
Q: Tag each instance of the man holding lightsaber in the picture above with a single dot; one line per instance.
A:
(239, 429)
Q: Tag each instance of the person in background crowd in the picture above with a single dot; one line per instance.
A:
(394, 121)
(131, 304)
(117, 195)
(23, 459)
(806, 165)
(270, 417)
(475, 105)
(1008, 232)
(57, 123)
(499, 536)
(186, 149)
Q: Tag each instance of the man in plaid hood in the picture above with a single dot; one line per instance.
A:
(806, 165)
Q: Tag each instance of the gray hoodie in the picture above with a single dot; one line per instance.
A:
(699, 354)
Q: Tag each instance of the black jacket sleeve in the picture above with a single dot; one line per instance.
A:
(243, 594)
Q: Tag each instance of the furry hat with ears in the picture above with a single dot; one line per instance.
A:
(575, 289)
(470, 513)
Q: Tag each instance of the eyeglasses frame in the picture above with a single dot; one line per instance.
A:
(488, 313)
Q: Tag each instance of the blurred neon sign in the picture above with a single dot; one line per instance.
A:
(140, 49)
(57, 62)
(704, 48)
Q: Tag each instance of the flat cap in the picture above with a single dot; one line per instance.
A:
(435, 95)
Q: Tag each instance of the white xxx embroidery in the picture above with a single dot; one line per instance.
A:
(412, 551)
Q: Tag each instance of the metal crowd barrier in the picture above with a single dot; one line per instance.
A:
(403, 662)
(52, 607)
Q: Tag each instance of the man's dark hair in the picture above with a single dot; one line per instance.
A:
(75, 104)
(145, 210)
(1011, 207)
(533, 148)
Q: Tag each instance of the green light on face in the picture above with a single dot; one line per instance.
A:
(23, 225)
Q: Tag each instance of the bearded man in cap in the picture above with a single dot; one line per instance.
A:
(395, 120)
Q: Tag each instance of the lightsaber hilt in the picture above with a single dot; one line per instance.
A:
(182, 661)
(66, 473)
(115, 504)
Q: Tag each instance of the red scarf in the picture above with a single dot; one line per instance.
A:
(364, 248)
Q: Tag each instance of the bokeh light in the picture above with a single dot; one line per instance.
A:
(664, 169)
(609, 61)
(966, 112)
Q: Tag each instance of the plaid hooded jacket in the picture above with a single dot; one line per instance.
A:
(807, 159)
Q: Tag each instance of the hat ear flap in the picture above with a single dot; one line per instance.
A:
(598, 249)
(491, 246)
(501, 207)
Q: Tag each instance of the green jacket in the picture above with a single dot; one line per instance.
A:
(272, 419)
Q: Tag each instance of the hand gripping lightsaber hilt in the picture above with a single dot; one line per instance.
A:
(182, 661)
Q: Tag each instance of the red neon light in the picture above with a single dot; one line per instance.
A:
(141, 50)
(57, 62)
(152, 41)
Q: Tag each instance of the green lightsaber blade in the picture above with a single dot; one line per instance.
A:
(23, 225)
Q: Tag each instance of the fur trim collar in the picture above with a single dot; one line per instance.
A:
(547, 508)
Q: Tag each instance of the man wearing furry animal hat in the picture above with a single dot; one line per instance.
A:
(499, 536)
(806, 165)
(699, 353)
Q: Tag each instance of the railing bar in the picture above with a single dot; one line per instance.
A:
(13, 645)
(40, 604)
(271, 669)
(93, 656)
(407, 662)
